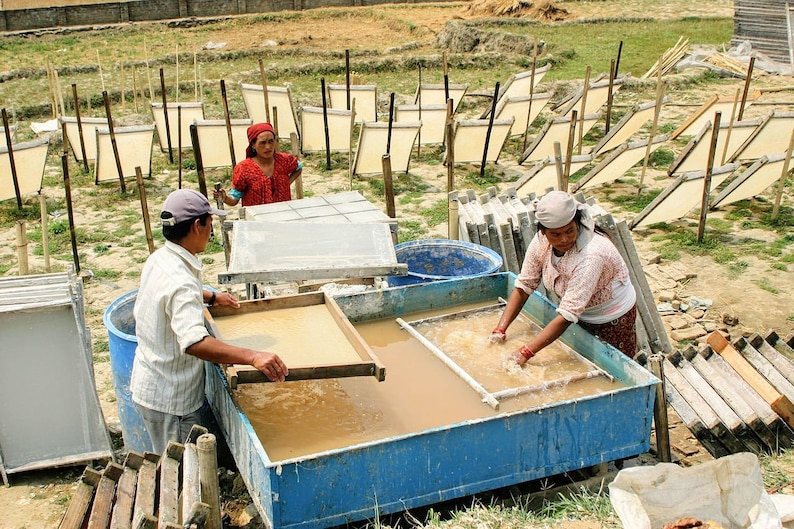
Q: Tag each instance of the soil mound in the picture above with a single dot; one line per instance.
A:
(543, 10)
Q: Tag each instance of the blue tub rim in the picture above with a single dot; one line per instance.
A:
(109, 325)
(477, 248)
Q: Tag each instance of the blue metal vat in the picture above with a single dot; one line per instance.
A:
(436, 259)
(390, 475)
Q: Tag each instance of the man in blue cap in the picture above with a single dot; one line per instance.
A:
(167, 381)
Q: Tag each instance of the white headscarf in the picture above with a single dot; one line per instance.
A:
(555, 209)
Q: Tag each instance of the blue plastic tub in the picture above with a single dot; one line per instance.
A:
(435, 259)
(120, 323)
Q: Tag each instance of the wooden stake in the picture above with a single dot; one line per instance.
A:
(195, 77)
(45, 234)
(326, 132)
(228, 120)
(730, 129)
(295, 149)
(59, 92)
(206, 447)
(391, 123)
(561, 186)
(264, 91)
(388, 185)
(199, 162)
(617, 59)
(746, 88)
(583, 108)
(22, 247)
(350, 143)
(660, 90)
(135, 88)
(419, 106)
(13, 165)
(531, 92)
(450, 139)
(656, 365)
(51, 82)
(144, 209)
(177, 73)
(783, 174)
(113, 142)
(453, 226)
(488, 130)
(101, 76)
(446, 76)
(68, 190)
(122, 88)
(165, 116)
(704, 203)
(79, 127)
(610, 94)
(148, 71)
(347, 77)
(179, 139)
(569, 151)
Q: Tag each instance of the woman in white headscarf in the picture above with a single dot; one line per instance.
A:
(583, 269)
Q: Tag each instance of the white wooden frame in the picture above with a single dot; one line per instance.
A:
(619, 162)
(89, 126)
(470, 138)
(135, 150)
(213, 141)
(340, 128)
(188, 112)
(30, 159)
(365, 96)
(278, 97)
(556, 130)
(372, 141)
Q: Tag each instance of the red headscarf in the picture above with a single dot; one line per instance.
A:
(253, 132)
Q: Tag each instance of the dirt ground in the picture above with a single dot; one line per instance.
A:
(39, 499)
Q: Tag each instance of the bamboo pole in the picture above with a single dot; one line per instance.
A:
(228, 121)
(165, 116)
(295, 150)
(610, 95)
(419, 107)
(45, 234)
(51, 83)
(79, 126)
(783, 174)
(112, 131)
(11, 162)
(70, 211)
(195, 76)
(264, 90)
(446, 76)
(144, 209)
(22, 247)
(569, 151)
(488, 130)
(583, 108)
(704, 203)
(135, 88)
(179, 141)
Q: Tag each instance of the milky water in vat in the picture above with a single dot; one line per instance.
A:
(294, 419)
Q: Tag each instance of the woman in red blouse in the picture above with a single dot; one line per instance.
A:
(265, 175)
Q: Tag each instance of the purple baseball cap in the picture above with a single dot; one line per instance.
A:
(186, 204)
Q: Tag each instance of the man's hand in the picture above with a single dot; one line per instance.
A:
(271, 365)
(224, 298)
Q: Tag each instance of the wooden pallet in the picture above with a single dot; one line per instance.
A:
(146, 492)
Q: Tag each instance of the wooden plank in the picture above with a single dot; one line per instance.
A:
(125, 494)
(780, 345)
(688, 416)
(766, 368)
(726, 414)
(355, 339)
(248, 374)
(709, 418)
(206, 447)
(145, 491)
(779, 403)
(780, 362)
(784, 436)
(168, 507)
(732, 397)
(103, 500)
(81, 500)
